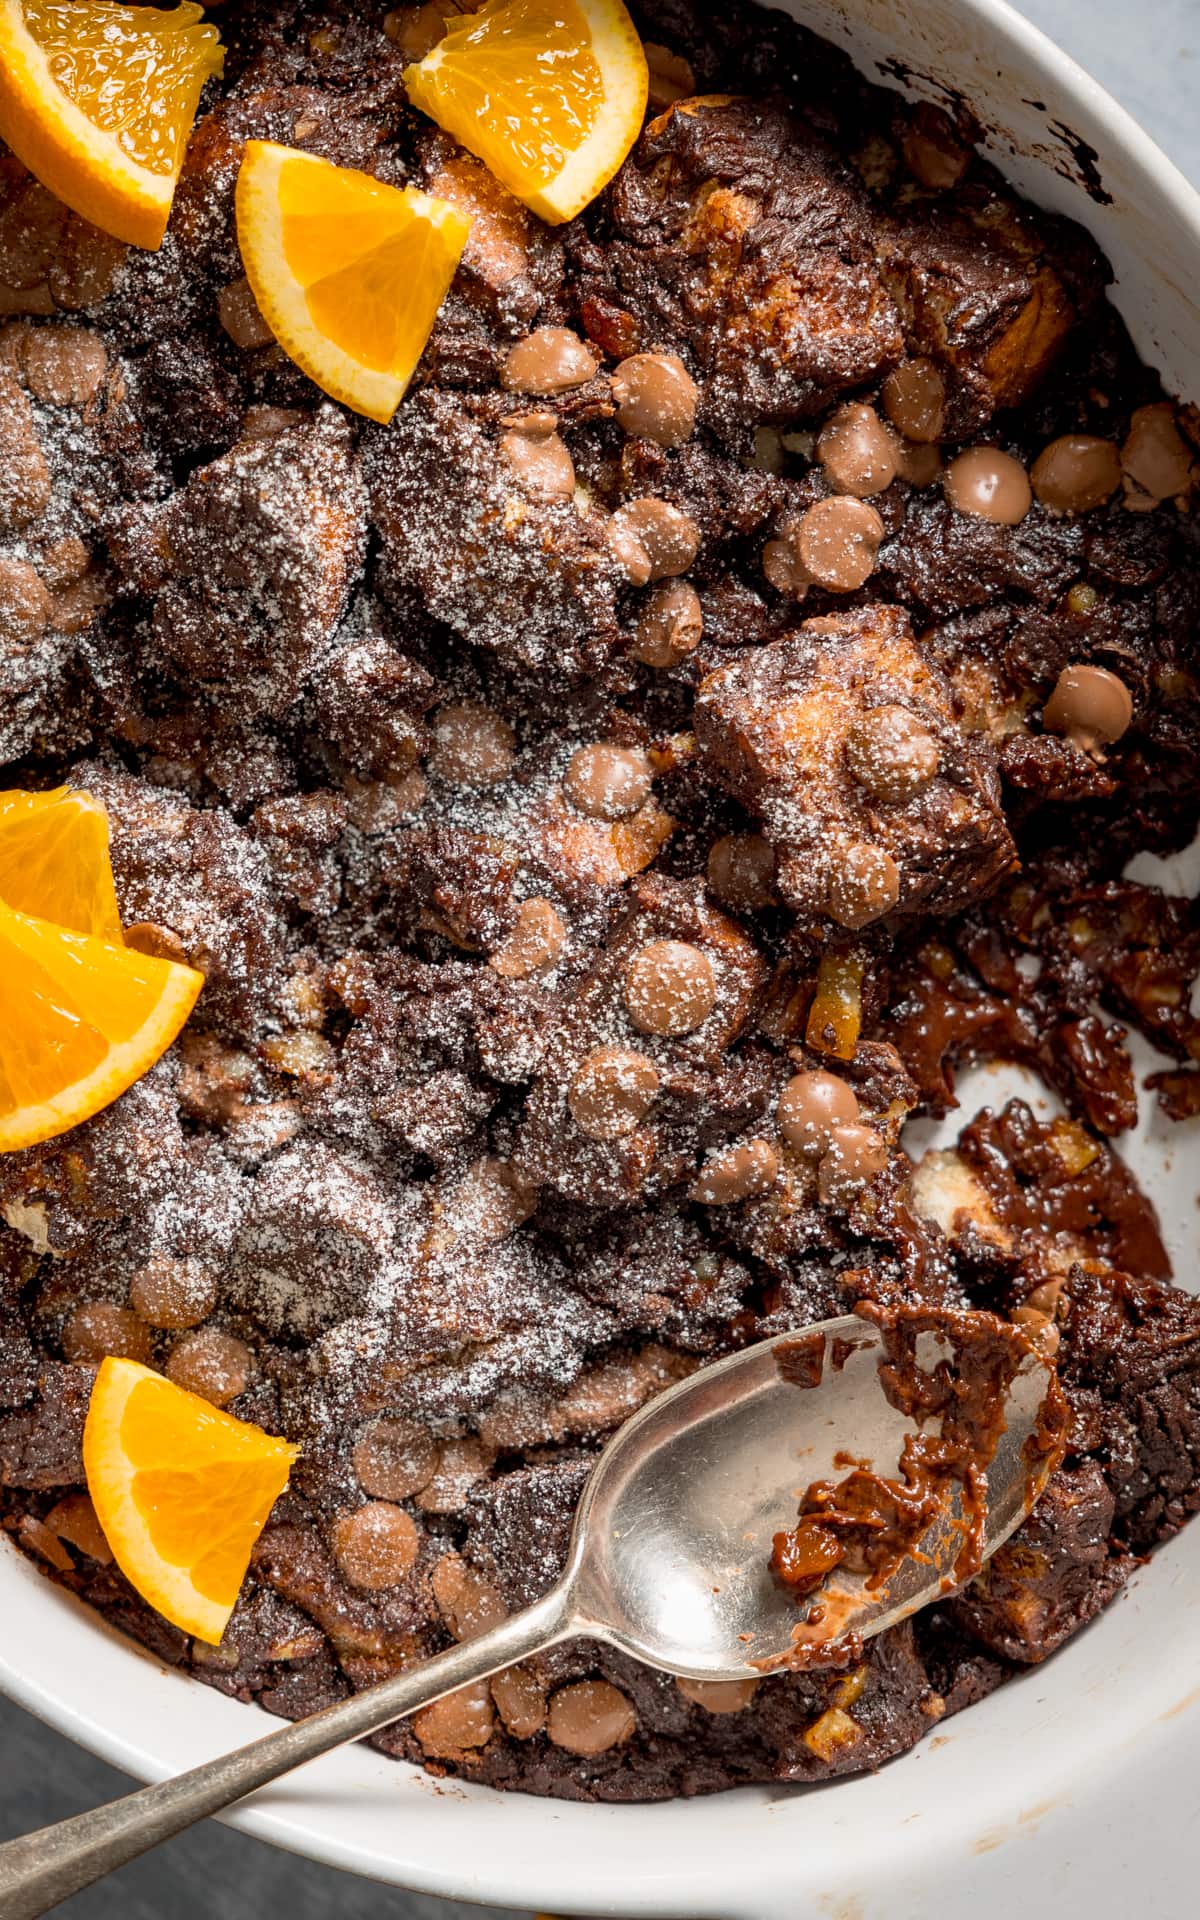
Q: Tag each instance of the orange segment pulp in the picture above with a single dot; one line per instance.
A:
(80, 1021)
(549, 94)
(98, 101)
(348, 273)
(54, 861)
(181, 1490)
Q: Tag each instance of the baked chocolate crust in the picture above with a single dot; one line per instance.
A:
(514, 941)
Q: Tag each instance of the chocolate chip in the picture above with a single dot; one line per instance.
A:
(1047, 1299)
(1076, 472)
(64, 366)
(854, 1156)
(611, 1093)
(538, 421)
(656, 398)
(741, 872)
(892, 753)
(215, 1365)
(472, 746)
(837, 543)
(607, 782)
(784, 569)
(85, 266)
(668, 539)
(856, 451)
(737, 1174)
(468, 1603)
(25, 484)
(25, 487)
(64, 561)
(550, 360)
(38, 1538)
(672, 77)
(863, 885)
(14, 338)
(378, 806)
(534, 943)
(627, 550)
(463, 1461)
(146, 936)
(520, 1701)
(670, 988)
(173, 1293)
(919, 465)
(811, 1106)
(989, 485)
(491, 1200)
(239, 314)
(719, 1696)
(97, 1329)
(1154, 458)
(25, 605)
(456, 1724)
(416, 30)
(267, 423)
(74, 1519)
(375, 1546)
(914, 400)
(590, 1717)
(670, 625)
(1040, 1328)
(541, 463)
(73, 609)
(394, 1459)
(1091, 706)
(31, 235)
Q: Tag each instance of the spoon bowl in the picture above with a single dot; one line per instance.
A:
(671, 1552)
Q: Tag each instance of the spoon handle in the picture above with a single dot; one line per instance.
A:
(42, 1868)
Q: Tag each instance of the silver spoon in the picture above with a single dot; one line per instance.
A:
(668, 1561)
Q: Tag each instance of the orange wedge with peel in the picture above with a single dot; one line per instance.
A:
(98, 100)
(181, 1490)
(80, 1021)
(348, 273)
(549, 94)
(54, 861)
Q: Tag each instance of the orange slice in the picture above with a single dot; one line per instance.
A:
(80, 1021)
(54, 861)
(348, 273)
(550, 94)
(98, 101)
(181, 1490)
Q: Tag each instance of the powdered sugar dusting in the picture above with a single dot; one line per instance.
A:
(371, 713)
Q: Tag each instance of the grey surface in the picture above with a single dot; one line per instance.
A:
(1148, 55)
(208, 1874)
(1146, 52)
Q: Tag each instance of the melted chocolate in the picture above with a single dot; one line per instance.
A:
(801, 1361)
(869, 1523)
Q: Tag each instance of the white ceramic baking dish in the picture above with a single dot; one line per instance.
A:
(1074, 1787)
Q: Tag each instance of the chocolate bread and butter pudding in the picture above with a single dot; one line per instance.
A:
(606, 803)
